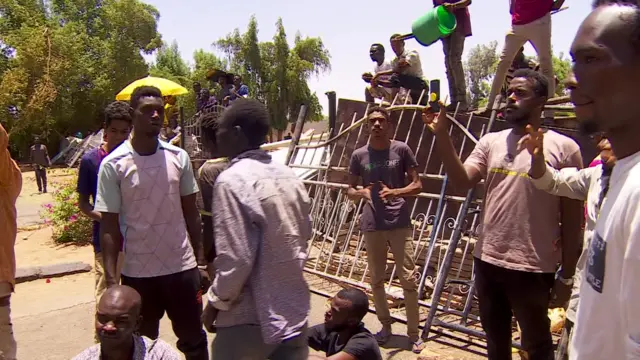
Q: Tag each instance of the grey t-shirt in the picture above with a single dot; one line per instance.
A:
(390, 167)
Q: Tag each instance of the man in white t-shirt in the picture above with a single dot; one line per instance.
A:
(406, 72)
(377, 54)
(606, 55)
(147, 198)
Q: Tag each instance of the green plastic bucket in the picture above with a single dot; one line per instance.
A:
(437, 23)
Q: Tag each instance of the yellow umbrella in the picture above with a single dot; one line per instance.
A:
(167, 87)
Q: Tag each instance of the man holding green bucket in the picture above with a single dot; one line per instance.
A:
(453, 46)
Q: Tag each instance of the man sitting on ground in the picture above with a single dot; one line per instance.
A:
(117, 320)
(343, 335)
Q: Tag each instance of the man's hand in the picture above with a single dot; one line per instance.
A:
(367, 77)
(205, 279)
(403, 63)
(437, 123)
(560, 294)
(209, 315)
(533, 141)
(385, 193)
(374, 80)
(449, 7)
(357, 195)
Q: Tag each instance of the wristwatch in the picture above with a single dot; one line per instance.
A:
(567, 282)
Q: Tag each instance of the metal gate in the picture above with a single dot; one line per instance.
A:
(445, 224)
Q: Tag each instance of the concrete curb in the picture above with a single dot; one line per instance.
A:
(50, 271)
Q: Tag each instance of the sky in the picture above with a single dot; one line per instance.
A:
(347, 28)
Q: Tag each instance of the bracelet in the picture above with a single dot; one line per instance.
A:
(202, 267)
(567, 282)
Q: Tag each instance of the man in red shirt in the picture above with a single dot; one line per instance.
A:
(453, 46)
(530, 22)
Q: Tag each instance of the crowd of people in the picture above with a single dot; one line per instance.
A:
(225, 250)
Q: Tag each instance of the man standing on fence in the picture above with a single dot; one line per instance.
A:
(382, 168)
(149, 185)
(10, 187)
(259, 299)
(117, 126)
(40, 160)
(519, 246)
(453, 47)
(530, 22)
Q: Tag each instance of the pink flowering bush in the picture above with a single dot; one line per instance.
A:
(63, 214)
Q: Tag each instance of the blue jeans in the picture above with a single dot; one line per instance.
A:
(244, 342)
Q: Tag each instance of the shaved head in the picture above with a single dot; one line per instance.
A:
(123, 298)
(117, 318)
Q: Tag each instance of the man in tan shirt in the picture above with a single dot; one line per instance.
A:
(10, 186)
(521, 240)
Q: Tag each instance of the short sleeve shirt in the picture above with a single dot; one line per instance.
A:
(390, 167)
(88, 184)
(362, 345)
(143, 349)
(520, 224)
(147, 192)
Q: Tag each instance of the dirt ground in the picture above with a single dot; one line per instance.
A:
(54, 320)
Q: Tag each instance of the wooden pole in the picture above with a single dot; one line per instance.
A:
(302, 116)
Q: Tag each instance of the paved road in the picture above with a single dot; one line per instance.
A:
(54, 321)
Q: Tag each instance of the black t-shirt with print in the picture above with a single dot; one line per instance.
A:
(389, 166)
(362, 345)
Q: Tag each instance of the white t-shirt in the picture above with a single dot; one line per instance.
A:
(608, 319)
(415, 65)
(146, 191)
(385, 66)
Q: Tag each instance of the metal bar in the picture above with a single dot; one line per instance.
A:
(333, 112)
(346, 186)
(302, 115)
(183, 131)
(453, 244)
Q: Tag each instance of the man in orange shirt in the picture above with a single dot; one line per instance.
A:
(10, 186)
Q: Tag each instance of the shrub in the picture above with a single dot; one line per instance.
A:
(63, 214)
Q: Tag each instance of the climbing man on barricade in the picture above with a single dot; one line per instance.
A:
(530, 22)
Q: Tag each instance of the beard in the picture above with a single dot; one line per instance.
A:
(517, 117)
(589, 127)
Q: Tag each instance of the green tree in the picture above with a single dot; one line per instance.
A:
(479, 70)
(277, 73)
(64, 60)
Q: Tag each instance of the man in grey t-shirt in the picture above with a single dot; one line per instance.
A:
(383, 166)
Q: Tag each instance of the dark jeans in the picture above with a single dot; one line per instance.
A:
(41, 178)
(503, 292)
(453, 46)
(414, 84)
(180, 296)
(244, 342)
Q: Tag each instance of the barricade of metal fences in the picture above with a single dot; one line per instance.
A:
(445, 227)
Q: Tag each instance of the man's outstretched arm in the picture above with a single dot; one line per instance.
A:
(108, 202)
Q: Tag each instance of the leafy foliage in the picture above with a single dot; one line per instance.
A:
(69, 226)
(277, 74)
(482, 62)
(62, 61)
